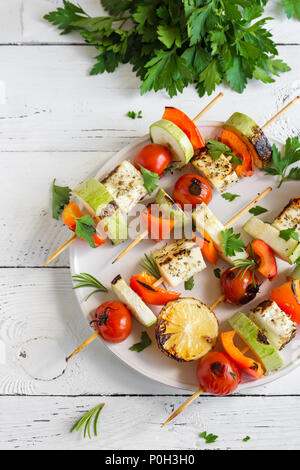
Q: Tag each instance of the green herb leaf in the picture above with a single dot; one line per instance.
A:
(189, 284)
(209, 438)
(86, 420)
(233, 375)
(87, 280)
(85, 229)
(134, 115)
(150, 265)
(230, 197)
(247, 438)
(150, 179)
(60, 198)
(289, 233)
(257, 210)
(231, 242)
(217, 273)
(144, 343)
(282, 162)
(216, 149)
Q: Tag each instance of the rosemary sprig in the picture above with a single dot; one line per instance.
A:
(87, 280)
(150, 265)
(245, 264)
(86, 420)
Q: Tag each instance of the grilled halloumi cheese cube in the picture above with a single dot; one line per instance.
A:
(274, 323)
(289, 217)
(219, 173)
(179, 261)
(204, 219)
(134, 303)
(125, 183)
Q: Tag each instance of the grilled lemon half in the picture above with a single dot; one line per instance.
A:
(186, 329)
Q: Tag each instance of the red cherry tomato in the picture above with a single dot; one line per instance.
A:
(239, 288)
(192, 189)
(113, 321)
(153, 157)
(218, 374)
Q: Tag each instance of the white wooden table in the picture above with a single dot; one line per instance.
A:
(56, 121)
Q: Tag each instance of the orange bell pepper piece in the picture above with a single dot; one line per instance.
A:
(142, 284)
(70, 214)
(247, 364)
(157, 226)
(186, 125)
(207, 247)
(240, 149)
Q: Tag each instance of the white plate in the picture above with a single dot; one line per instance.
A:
(151, 362)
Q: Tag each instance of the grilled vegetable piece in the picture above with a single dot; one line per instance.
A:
(170, 208)
(253, 136)
(126, 185)
(257, 342)
(134, 303)
(295, 274)
(178, 261)
(247, 364)
(289, 217)
(204, 219)
(185, 124)
(270, 235)
(287, 297)
(264, 257)
(186, 329)
(97, 200)
(142, 284)
(70, 214)
(274, 323)
(157, 226)
(218, 374)
(295, 256)
(207, 247)
(240, 149)
(219, 173)
(166, 133)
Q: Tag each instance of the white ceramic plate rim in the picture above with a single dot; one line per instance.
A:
(166, 381)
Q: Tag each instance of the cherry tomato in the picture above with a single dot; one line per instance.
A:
(239, 289)
(192, 189)
(153, 157)
(113, 321)
(218, 374)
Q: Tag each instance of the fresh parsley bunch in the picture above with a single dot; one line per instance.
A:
(173, 43)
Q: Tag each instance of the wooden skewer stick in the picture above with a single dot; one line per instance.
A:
(182, 407)
(83, 345)
(283, 110)
(61, 249)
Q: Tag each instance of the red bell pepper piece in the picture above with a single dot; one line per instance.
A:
(265, 258)
(186, 125)
(142, 284)
(287, 298)
(207, 247)
(247, 364)
(70, 214)
(240, 149)
(157, 226)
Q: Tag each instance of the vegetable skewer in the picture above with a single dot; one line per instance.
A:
(231, 221)
(74, 236)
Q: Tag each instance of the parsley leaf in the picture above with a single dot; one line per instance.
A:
(85, 229)
(233, 375)
(231, 242)
(134, 115)
(189, 284)
(60, 198)
(174, 43)
(247, 438)
(257, 210)
(216, 149)
(282, 162)
(291, 8)
(150, 179)
(209, 438)
(289, 233)
(230, 197)
(217, 273)
(144, 343)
